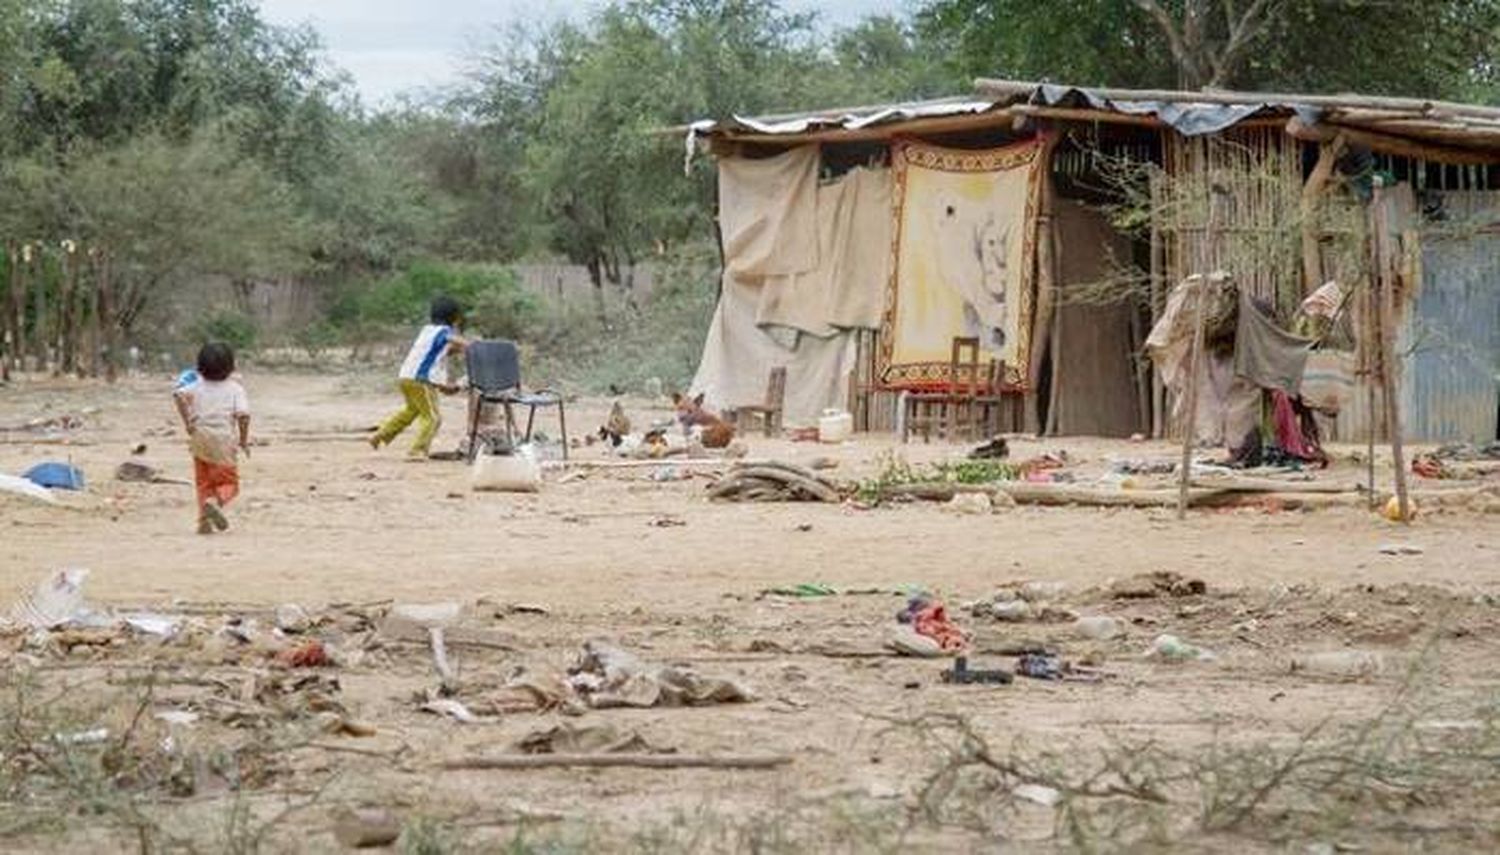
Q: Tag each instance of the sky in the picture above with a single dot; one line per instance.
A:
(394, 46)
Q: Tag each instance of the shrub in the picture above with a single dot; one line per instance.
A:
(235, 329)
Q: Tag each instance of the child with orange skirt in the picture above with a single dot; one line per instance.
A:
(216, 414)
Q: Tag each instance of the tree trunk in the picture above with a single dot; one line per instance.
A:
(107, 326)
(17, 310)
(66, 314)
(89, 299)
(43, 328)
(595, 267)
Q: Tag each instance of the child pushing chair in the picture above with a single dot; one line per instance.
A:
(422, 376)
(215, 412)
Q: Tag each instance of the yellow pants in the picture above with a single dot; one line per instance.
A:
(421, 407)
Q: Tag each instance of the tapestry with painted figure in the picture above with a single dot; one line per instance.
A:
(965, 256)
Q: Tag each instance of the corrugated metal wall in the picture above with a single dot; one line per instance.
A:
(1451, 387)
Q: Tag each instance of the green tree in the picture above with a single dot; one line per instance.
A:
(1428, 47)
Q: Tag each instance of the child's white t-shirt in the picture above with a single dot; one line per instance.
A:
(213, 406)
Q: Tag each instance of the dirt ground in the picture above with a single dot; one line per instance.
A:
(327, 523)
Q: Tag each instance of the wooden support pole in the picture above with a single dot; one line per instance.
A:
(1385, 307)
(1317, 181)
(1207, 257)
(1158, 427)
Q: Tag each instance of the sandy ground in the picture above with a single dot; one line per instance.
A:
(325, 520)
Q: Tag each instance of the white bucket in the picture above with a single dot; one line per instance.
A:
(515, 473)
(835, 426)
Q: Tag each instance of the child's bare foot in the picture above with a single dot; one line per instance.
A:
(374, 441)
(215, 517)
(204, 526)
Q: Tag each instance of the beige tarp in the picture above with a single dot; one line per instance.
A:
(803, 265)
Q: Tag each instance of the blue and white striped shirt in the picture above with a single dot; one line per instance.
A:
(426, 362)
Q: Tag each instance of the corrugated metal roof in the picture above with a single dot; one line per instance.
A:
(1470, 129)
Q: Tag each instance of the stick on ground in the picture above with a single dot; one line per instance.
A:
(643, 761)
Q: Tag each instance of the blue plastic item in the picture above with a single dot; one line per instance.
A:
(187, 378)
(57, 476)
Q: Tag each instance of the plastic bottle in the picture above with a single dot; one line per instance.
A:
(1099, 627)
(1174, 649)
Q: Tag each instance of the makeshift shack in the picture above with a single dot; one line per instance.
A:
(1050, 223)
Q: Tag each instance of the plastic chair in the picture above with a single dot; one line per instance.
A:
(495, 378)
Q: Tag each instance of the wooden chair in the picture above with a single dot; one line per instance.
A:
(770, 413)
(943, 408)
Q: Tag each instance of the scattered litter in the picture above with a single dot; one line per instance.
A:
(180, 718)
(161, 626)
(1161, 583)
(1039, 667)
(310, 654)
(292, 618)
(569, 738)
(454, 710)
(1401, 549)
(1042, 795)
(55, 476)
(23, 487)
(995, 449)
(929, 618)
(664, 474)
(1340, 663)
(82, 737)
(426, 614)
(1173, 649)
(906, 642)
(1099, 627)
(610, 676)
(48, 424)
(1012, 611)
(962, 674)
(342, 725)
(132, 471)
(667, 521)
(517, 473)
(1037, 591)
(362, 828)
(973, 504)
(527, 609)
(802, 590)
(54, 601)
(1392, 510)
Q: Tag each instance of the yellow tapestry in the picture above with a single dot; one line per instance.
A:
(965, 255)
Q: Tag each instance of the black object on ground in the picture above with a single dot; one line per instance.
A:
(962, 674)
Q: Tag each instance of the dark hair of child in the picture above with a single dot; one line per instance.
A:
(216, 361)
(445, 310)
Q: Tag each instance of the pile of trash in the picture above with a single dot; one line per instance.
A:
(606, 676)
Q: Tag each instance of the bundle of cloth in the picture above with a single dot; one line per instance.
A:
(1250, 379)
